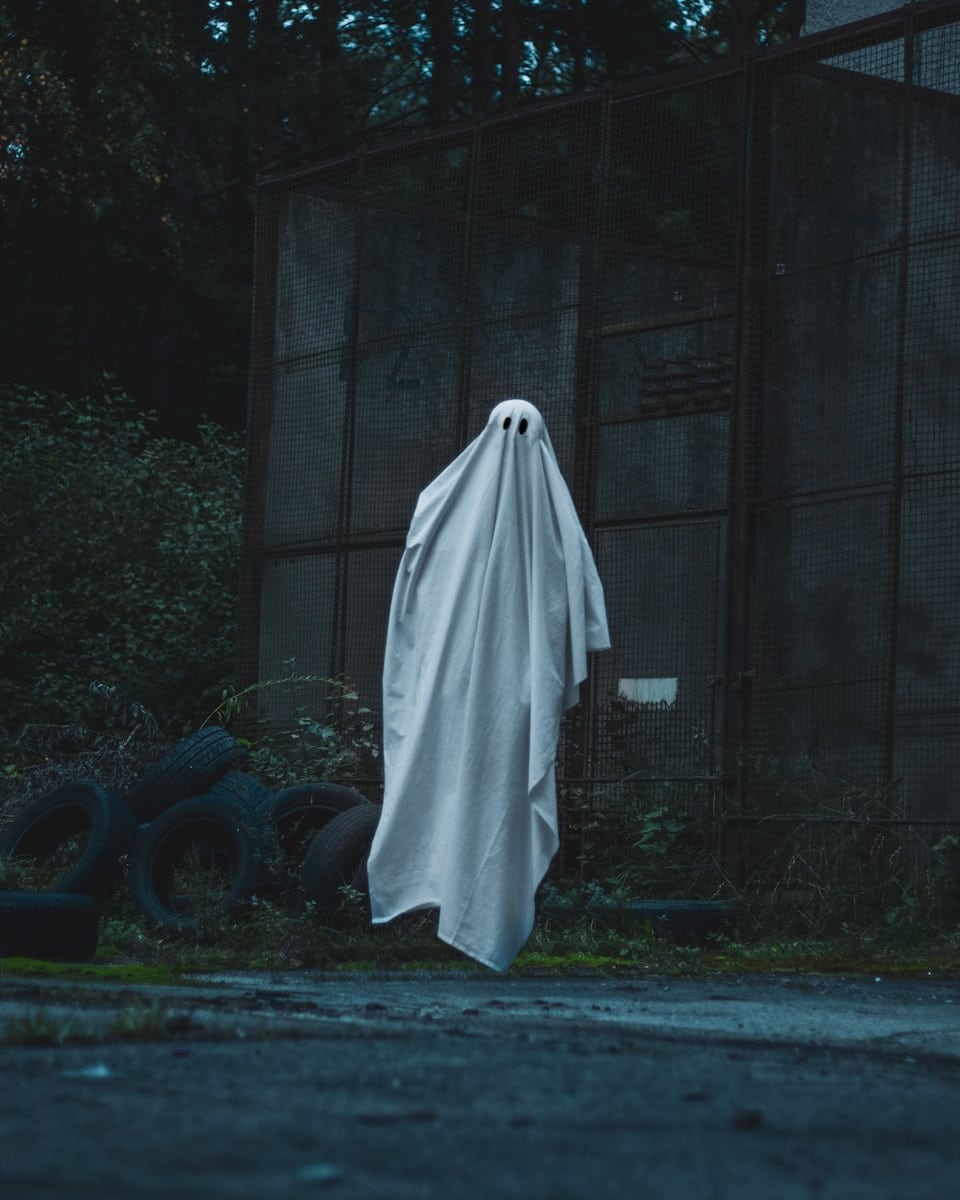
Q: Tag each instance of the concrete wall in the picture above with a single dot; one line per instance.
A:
(854, 359)
(829, 14)
(845, 348)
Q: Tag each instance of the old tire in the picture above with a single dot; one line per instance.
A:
(686, 922)
(337, 857)
(80, 836)
(53, 925)
(188, 769)
(199, 861)
(240, 788)
(298, 813)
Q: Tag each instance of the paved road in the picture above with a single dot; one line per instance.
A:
(361, 1087)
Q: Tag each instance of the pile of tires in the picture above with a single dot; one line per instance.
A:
(195, 840)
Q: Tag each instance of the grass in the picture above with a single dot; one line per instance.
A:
(580, 930)
(148, 1022)
(574, 950)
(42, 1028)
(268, 936)
(266, 939)
(889, 954)
(845, 904)
(91, 972)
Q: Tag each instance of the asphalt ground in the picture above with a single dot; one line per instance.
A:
(469, 1085)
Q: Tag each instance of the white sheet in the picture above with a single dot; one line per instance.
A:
(496, 604)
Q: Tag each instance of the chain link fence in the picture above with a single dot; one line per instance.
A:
(734, 293)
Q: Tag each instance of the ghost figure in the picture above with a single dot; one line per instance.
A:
(496, 603)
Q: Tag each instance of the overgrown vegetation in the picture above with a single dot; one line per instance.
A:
(326, 731)
(118, 635)
(120, 582)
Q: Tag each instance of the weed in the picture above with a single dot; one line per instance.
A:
(585, 946)
(943, 881)
(354, 908)
(115, 752)
(309, 727)
(21, 874)
(40, 873)
(880, 954)
(200, 882)
(141, 1022)
(44, 1028)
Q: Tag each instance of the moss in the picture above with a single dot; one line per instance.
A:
(839, 957)
(571, 963)
(127, 973)
(387, 963)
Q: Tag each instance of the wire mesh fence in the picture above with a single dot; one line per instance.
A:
(736, 298)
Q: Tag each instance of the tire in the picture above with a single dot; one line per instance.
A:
(337, 857)
(80, 836)
(239, 788)
(298, 813)
(53, 925)
(687, 922)
(199, 861)
(189, 769)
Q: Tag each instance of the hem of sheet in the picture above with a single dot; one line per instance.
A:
(478, 876)
(391, 914)
(475, 955)
(452, 939)
(449, 940)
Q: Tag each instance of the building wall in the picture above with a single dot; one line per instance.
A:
(759, 419)
(828, 14)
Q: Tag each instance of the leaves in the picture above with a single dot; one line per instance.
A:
(132, 135)
(121, 561)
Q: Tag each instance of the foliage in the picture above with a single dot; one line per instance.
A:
(121, 567)
(638, 839)
(141, 1022)
(19, 875)
(936, 902)
(341, 746)
(565, 903)
(319, 730)
(40, 1027)
(584, 937)
(913, 952)
(653, 834)
(104, 231)
(943, 881)
(114, 749)
(824, 854)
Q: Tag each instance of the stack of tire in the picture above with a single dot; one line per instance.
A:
(195, 805)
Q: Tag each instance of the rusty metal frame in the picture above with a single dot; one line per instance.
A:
(259, 417)
(745, 407)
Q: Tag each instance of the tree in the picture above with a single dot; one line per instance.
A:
(132, 134)
(121, 555)
(735, 26)
(95, 186)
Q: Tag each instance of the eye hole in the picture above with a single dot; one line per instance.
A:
(522, 427)
(506, 423)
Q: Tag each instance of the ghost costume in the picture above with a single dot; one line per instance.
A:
(496, 604)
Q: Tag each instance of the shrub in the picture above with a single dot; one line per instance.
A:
(121, 562)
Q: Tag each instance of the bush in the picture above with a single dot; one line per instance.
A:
(121, 562)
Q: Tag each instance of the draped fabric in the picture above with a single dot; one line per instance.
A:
(496, 605)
